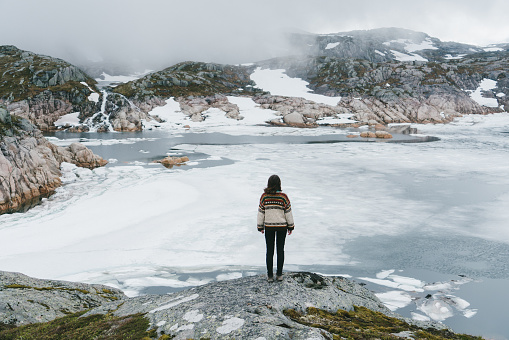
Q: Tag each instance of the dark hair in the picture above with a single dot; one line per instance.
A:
(273, 185)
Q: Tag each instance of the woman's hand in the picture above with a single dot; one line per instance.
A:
(290, 232)
(262, 231)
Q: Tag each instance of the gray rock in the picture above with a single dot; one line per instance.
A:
(293, 118)
(25, 300)
(52, 89)
(5, 116)
(247, 308)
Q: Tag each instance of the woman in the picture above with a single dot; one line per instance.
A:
(275, 220)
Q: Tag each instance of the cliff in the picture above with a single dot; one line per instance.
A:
(303, 306)
(30, 165)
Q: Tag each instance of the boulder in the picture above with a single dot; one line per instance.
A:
(383, 134)
(368, 134)
(170, 161)
(294, 119)
(78, 154)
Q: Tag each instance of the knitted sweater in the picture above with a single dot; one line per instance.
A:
(275, 211)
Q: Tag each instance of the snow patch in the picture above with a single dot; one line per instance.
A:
(420, 317)
(411, 46)
(70, 119)
(400, 282)
(121, 79)
(94, 96)
(331, 45)
(278, 83)
(492, 49)
(407, 57)
(175, 303)
(485, 85)
(193, 316)
(230, 325)
(384, 274)
(395, 299)
(451, 57)
(343, 118)
(229, 276)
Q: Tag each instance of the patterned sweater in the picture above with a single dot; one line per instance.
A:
(275, 211)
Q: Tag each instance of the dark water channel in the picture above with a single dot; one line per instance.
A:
(147, 146)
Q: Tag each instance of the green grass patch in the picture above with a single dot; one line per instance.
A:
(363, 323)
(17, 286)
(75, 327)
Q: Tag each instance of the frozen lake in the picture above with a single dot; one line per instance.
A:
(423, 224)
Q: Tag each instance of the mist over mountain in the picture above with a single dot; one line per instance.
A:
(127, 36)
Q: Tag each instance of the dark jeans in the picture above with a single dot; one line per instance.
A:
(278, 235)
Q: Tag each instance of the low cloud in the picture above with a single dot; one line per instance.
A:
(155, 34)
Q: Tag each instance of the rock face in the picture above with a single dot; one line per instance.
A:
(246, 308)
(25, 300)
(42, 89)
(30, 165)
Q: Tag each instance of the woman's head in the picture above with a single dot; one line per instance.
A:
(273, 185)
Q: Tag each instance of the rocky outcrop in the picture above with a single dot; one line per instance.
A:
(42, 89)
(400, 92)
(376, 134)
(25, 300)
(30, 165)
(298, 112)
(195, 107)
(123, 115)
(245, 308)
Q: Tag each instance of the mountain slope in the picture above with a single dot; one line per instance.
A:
(379, 45)
(42, 88)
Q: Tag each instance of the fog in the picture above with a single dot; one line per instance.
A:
(154, 34)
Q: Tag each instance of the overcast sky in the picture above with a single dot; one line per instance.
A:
(152, 33)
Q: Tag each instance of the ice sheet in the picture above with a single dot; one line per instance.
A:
(127, 222)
